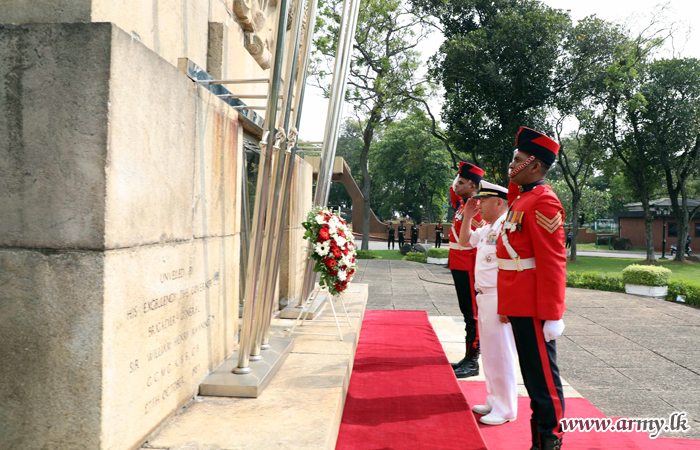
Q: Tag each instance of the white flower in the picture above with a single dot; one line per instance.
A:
(340, 241)
(322, 249)
(320, 219)
(342, 276)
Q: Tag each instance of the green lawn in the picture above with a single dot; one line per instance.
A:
(393, 255)
(688, 271)
(591, 246)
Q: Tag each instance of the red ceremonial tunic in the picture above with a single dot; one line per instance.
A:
(537, 292)
(462, 259)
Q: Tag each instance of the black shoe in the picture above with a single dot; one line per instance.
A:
(549, 443)
(535, 435)
(469, 369)
(458, 363)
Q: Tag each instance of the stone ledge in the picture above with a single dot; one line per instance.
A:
(300, 409)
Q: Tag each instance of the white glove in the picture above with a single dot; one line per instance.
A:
(552, 329)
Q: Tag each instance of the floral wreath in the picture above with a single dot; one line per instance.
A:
(333, 248)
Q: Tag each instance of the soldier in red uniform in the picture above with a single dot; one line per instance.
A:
(532, 281)
(461, 264)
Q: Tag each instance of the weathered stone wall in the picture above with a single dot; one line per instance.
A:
(294, 255)
(208, 32)
(119, 237)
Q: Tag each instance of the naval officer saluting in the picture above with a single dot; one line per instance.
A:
(532, 281)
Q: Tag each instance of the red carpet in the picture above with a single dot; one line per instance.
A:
(516, 434)
(403, 393)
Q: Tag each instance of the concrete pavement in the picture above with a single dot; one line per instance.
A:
(630, 356)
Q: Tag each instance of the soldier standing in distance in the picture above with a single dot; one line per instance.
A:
(402, 234)
(414, 234)
(392, 233)
(533, 300)
(438, 234)
(461, 264)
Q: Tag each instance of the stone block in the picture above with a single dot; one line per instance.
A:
(54, 112)
(174, 321)
(218, 165)
(149, 169)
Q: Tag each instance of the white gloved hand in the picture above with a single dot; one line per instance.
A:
(552, 329)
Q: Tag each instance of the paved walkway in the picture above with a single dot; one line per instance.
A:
(630, 356)
(603, 253)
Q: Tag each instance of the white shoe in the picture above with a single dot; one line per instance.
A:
(495, 420)
(481, 409)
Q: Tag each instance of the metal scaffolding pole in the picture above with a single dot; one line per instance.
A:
(273, 220)
(299, 87)
(252, 314)
(335, 110)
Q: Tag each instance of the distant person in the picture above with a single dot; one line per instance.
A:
(414, 234)
(438, 233)
(402, 234)
(392, 234)
(569, 236)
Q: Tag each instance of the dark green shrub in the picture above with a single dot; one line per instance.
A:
(596, 281)
(691, 291)
(367, 254)
(416, 257)
(646, 275)
(438, 252)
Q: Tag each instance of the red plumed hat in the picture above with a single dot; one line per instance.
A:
(470, 172)
(537, 144)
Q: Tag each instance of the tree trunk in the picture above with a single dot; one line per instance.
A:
(364, 165)
(575, 201)
(649, 240)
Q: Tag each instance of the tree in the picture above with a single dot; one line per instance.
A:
(349, 148)
(382, 68)
(672, 114)
(411, 171)
(496, 67)
(619, 94)
(591, 203)
(590, 47)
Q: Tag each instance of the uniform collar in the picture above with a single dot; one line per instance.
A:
(497, 224)
(531, 186)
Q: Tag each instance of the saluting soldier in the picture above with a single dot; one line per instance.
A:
(461, 264)
(402, 234)
(532, 300)
(390, 239)
(496, 338)
(414, 234)
(438, 234)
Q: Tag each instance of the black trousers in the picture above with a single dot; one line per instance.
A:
(390, 242)
(438, 241)
(464, 285)
(414, 239)
(538, 364)
(401, 241)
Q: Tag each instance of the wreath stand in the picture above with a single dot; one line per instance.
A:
(307, 305)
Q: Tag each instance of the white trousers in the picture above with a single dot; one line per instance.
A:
(498, 358)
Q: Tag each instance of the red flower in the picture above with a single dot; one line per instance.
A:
(320, 239)
(336, 252)
(333, 244)
(340, 233)
(329, 262)
(343, 267)
(324, 234)
(333, 272)
(345, 251)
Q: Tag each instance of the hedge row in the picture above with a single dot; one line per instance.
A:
(646, 275)
(615, 283)
(366, 254)
(438, 252)
(416, 257)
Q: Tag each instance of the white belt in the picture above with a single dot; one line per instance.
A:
(456, 246)
(516, 264)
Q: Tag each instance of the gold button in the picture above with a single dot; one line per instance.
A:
(518, 196)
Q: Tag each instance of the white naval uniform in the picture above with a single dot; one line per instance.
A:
(498, 353)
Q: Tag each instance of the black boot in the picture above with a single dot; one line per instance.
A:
(535, 435)
(463, 360)
(549, 442)
(470, 366)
